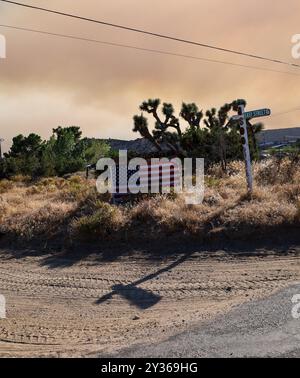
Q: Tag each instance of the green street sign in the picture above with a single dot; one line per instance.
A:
(257, 113)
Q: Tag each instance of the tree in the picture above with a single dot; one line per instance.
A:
(141, 126)
(67, 154)
(24, 155)
(167, 130)
(93, 150)
(191, 114)
(169, 121)
(64, 152)
(164, 123)
(218, 139)
(61, 132)
(25, 145)
(218, 123)
(253, 131)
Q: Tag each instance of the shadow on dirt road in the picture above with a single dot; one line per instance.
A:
(137, 295)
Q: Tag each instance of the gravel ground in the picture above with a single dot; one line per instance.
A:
(263, 328)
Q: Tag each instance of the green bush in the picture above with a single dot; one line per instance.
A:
(103, 222)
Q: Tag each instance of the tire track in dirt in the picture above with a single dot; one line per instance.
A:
(91, 307)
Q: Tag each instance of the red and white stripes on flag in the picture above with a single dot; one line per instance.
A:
(162, 176)
(155, 177)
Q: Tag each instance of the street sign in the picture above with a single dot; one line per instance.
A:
(242, 119)
(257, 113)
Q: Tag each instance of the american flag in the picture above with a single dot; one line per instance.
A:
(155, 177)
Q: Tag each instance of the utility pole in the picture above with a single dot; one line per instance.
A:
(1, 140)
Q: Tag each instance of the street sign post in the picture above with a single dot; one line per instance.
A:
(1, 140)
(242, 119)
(245, 143)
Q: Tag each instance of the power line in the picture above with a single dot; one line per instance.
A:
(162, 52)
(153, 34)
(286, 112)
(283, 113)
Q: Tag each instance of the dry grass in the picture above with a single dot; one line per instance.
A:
(5, 186)
(72, 207)
(30, 210)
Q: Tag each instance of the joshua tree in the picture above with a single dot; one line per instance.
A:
(220, 134)
(219, 123)
(161, 133)
(163, 125)
(253, 130)
(141, 126)
(169, 121)
(190, 113)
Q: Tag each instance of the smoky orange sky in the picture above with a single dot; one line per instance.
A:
(48, 81)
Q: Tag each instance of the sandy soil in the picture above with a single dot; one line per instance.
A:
(62, 307)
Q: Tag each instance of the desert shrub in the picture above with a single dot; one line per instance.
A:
(103, 222)
(169, 215)
(216, 171)
(21, 179)
(73, 189)
(4, 209)
(5, 185)
(47, 181)
(212, 198)
(235, 167)
(33, 190)
(212, 182)
(76, 180)
(288, 192)
(45, 221)
(144, 211)
(77, 193)
(258, 194)
(254, 214)
(277, 171)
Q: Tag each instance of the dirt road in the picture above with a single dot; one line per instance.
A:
(62, 307)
